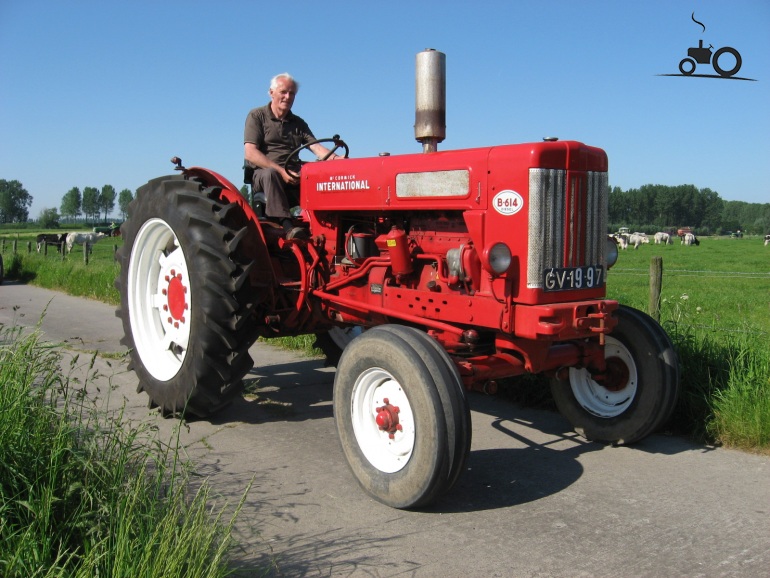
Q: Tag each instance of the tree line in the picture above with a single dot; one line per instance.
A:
(649, 208)
(92, 203)
(653, 208)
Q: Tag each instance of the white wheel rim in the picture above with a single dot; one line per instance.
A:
(388, 452)
(597, 399)
(159, 299)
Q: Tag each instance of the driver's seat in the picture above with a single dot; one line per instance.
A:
(258, 199)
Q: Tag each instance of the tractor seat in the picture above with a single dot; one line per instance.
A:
(258, 199)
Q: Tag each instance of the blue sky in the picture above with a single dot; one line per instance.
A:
(106, 92)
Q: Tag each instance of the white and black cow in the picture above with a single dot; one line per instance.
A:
(621, 240)
(690, 239)
(662, 238)
(767, 240)
(50, 239)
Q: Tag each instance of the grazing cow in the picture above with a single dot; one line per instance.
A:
(621, 239)
(637, 239)
(662, 238)
(767, 240)
(50, 239)
(81, 238)
(690, 239)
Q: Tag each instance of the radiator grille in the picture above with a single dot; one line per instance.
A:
(567, 221)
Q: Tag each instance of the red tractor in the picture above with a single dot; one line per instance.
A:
(425, 275)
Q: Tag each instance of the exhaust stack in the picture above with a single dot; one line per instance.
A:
(430, 102)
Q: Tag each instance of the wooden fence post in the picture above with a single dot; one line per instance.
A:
(85, 253)
(656, 282)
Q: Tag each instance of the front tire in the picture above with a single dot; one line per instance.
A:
(641, 392)
(185, 307)
(457, 412)
(403, 445)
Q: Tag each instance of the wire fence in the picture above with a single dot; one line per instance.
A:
(698, 273)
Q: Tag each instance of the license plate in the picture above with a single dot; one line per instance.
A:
(573, 278)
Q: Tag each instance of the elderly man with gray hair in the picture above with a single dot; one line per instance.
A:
(272, 132)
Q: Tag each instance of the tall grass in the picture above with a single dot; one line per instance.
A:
(84, 493)
(741, 411)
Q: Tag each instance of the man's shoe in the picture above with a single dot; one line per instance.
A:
(298, 233)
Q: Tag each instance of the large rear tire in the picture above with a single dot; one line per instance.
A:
(642, 390)
(402, 443)
(186, 307)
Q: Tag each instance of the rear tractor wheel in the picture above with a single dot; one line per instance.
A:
(185, 305)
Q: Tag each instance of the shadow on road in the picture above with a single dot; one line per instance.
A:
(539, 456)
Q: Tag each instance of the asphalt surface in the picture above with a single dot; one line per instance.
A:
(536, 500)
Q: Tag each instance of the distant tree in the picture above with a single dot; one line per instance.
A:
(760, 226)
(70, 203)
(14, 202)
(49, 219)
(90, 202)
(711, 210)
(107, 200)
(124, 199)
(619, 211)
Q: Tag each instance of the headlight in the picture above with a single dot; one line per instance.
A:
(499, 258)
(612, 252)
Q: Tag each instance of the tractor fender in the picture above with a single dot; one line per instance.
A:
(230, 193)
(229, 190)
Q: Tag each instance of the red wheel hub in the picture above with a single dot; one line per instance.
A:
(176, 297)
(617, 374)
(387, 418)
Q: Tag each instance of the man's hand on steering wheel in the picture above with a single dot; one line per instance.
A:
(335, 140)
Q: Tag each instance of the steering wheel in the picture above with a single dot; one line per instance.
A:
(336, 140)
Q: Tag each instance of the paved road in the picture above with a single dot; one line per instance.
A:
(535, 499)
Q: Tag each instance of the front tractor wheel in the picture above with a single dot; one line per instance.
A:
(640, 390)
(186, 317)
(401, 416)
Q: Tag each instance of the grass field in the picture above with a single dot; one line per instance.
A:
(726, 283)
(715, 305)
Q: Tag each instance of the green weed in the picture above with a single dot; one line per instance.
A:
(84, 493)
